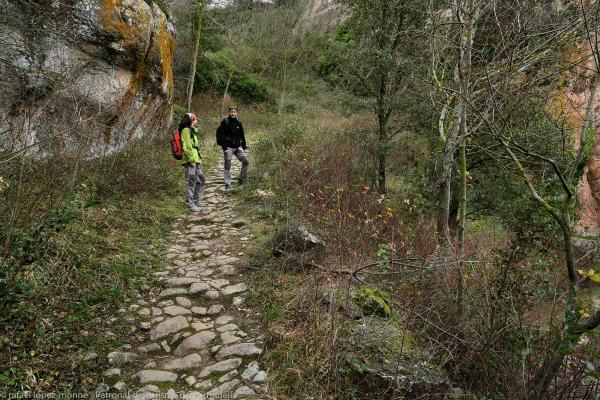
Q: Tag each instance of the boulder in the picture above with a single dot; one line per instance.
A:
(294, 238)
(105, 62)
(382, 360)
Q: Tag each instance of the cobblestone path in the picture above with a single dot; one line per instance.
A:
(189, 325)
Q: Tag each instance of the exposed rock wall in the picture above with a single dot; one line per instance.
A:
(574, 103)
(102, 67)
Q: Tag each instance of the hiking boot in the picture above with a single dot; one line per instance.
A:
(228, 186)
(193, 208)
(240, 181)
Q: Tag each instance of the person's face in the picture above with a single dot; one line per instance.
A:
(233, 113)
(194, 122)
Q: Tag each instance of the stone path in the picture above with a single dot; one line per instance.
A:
(189, 328)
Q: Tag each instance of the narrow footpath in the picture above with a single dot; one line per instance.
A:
(192, 338)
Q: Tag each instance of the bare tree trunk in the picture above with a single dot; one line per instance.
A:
(192, 77)
(468, 18)
(225, 94)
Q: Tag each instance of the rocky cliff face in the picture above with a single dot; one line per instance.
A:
(97, 70)
(574, 103)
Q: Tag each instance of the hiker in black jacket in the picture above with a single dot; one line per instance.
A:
(230, 136)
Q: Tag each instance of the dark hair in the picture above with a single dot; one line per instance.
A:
(233, 108)
(185, 122)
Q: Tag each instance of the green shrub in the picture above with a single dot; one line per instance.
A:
(217, 68)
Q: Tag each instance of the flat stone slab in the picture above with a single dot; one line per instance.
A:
(199, 287)
(218, 283)
(168, 326)
(176, 310)
(121, 357)
(233, 289)
(251, 371)
(224, 390)
(183, 281)
(229, 338)
(153, 375)
(240, 349)
(221, 366)
(197, 341)
(193, 360)
(243, 391)
(172, 292)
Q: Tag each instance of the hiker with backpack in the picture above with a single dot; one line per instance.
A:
(230, 136)
(191, 161)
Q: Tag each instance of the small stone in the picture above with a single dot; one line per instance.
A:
(224, 388)
(119, 358)
(218, 283)
(149, 348)
(202, 326)
(199, 287)
(207, 253)
(215, 309)
(243, 391)
(165, 346)
(237, 301)
(152, 388)
(169, 326)
(176, 310)
(183, 301)
(191, 380)
(193, 360)
(102, 388)
(228, 327)
(229, 338)
(195, 342)
(153, 375)
(150, 365)
(228, 376)
(251, 371)
(199, 310)
(221, 366)
(119, 386)
(216, 348)
(240, 349)
(90, 356)
(229, 290)
(144, 311)
(145, 325)
(172, 394)
(260, 377)
(172, 292)
(212, 294)
(156, 311)
(207, 384)
(183, 281)
(224, 319)
(134, 307)
(166, 303)
(112, 372)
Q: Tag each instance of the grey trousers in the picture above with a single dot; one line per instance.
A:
(194, 184)
(240, 155)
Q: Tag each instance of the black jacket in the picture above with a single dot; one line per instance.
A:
(231, 134)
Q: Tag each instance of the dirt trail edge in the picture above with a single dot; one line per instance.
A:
(189, 326)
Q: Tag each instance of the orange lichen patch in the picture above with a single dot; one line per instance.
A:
(569, 105)
(166, 45)
(128, 23)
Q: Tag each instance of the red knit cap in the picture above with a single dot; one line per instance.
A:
(192, 116)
